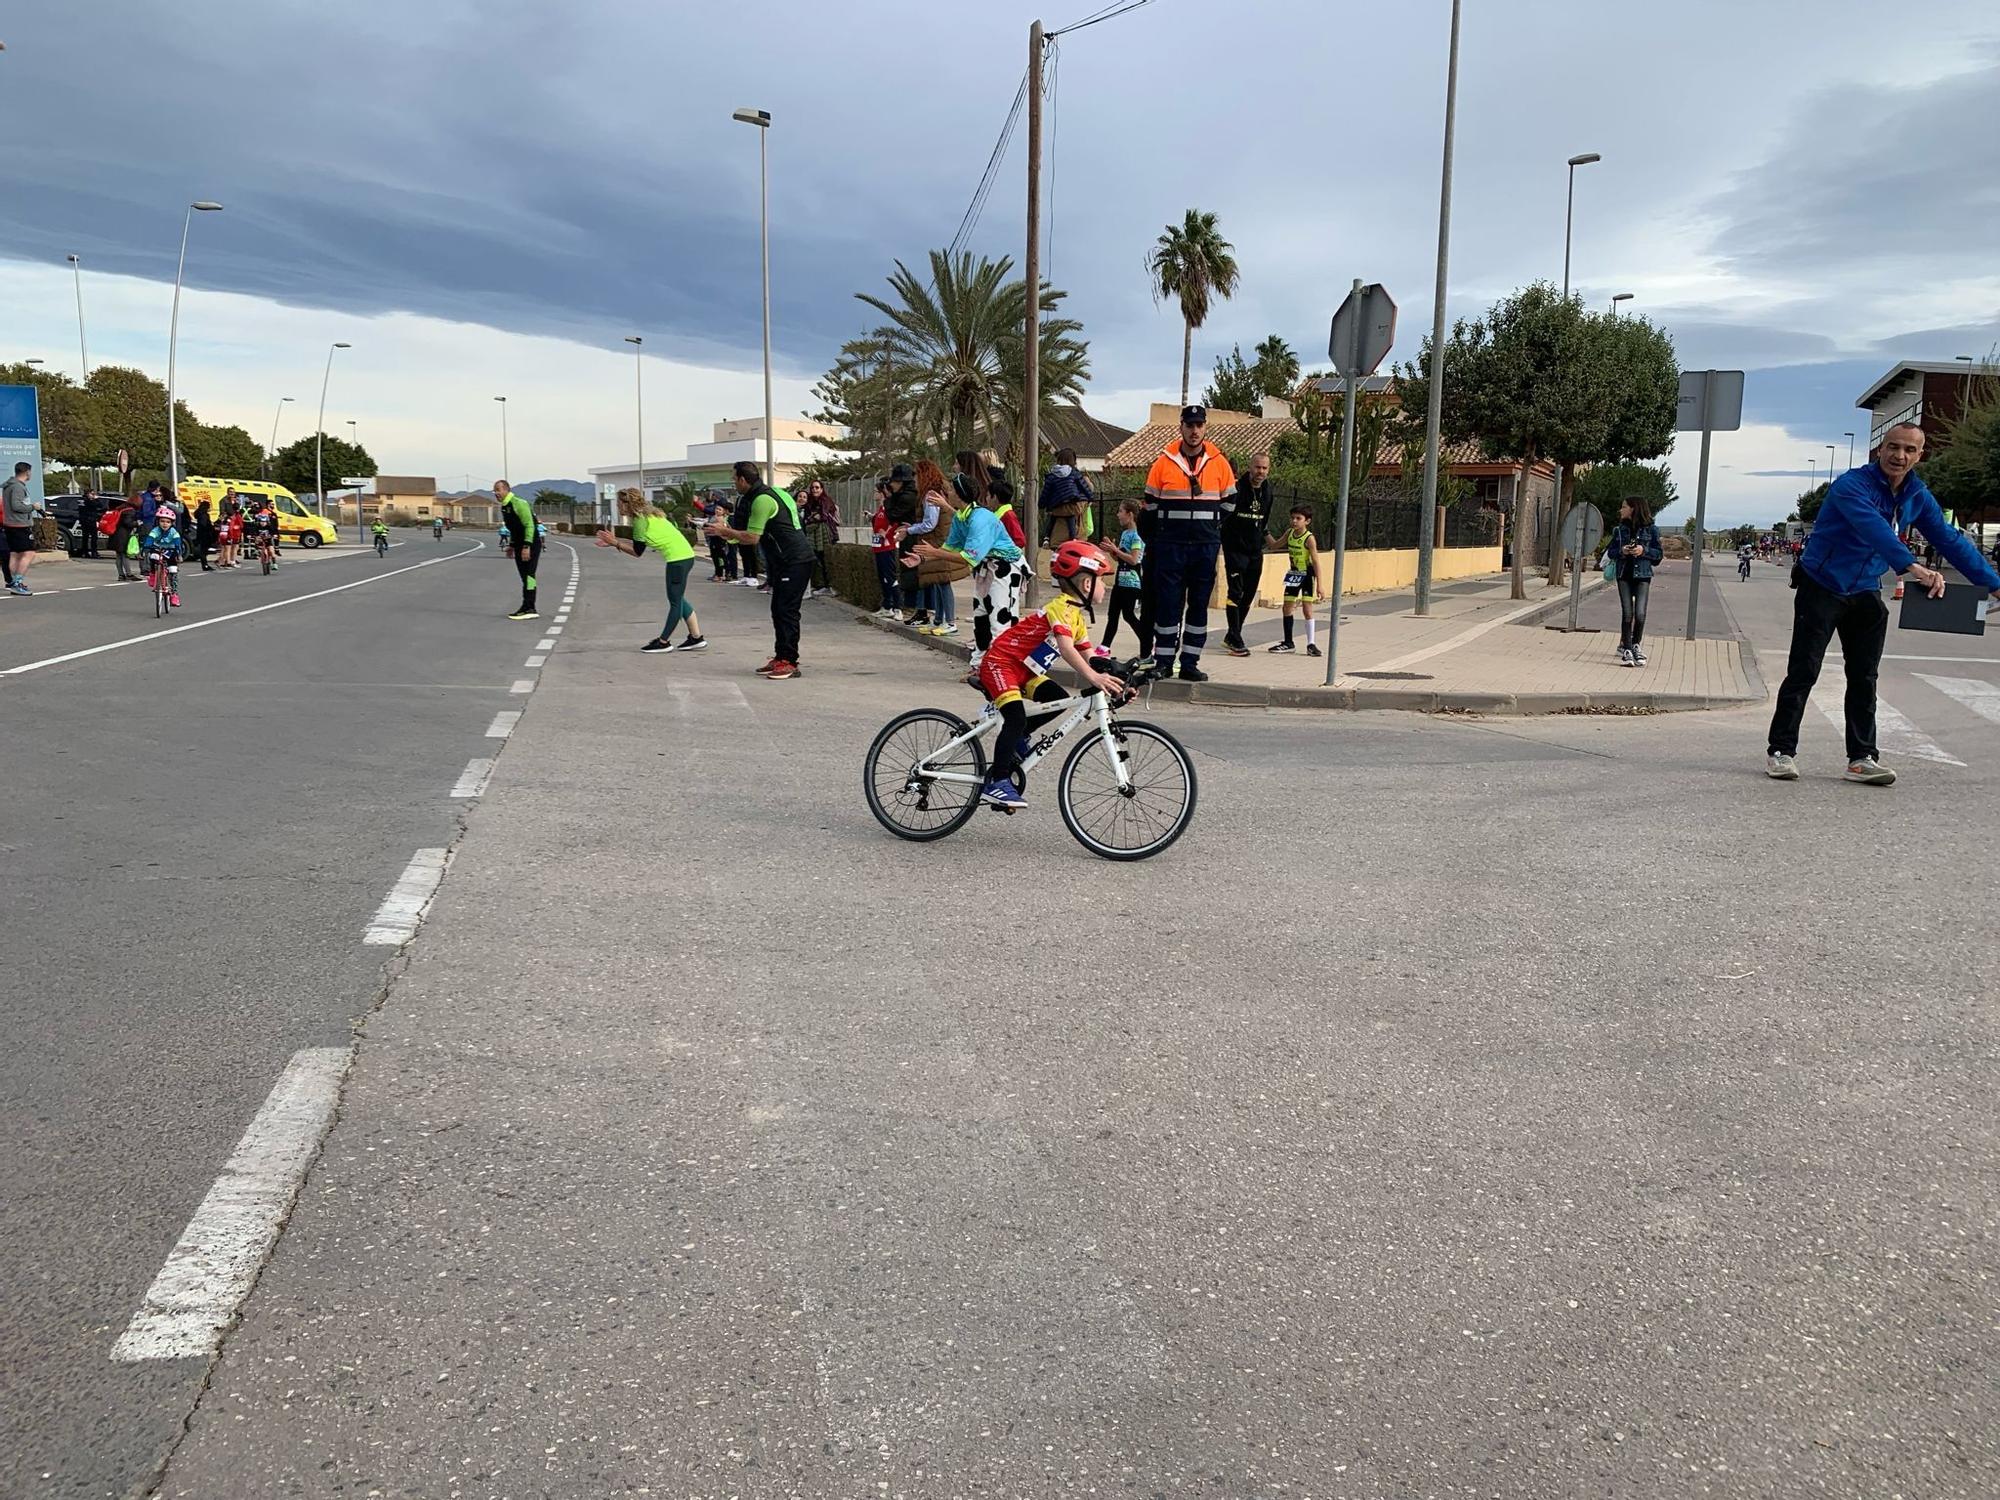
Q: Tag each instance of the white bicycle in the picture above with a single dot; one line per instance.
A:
(1126, 790)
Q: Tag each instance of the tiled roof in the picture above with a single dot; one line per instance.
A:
(1073, 427)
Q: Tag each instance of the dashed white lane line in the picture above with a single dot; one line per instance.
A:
(522, 685)
(534, 661)
(556, 629)
(241, 614)
(396, 919)
(547, 643)
(473, 782)
(211, 1269)
(1983, 698)
(503, 724)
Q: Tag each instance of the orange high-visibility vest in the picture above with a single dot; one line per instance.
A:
(1187, 498)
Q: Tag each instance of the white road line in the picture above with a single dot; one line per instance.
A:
(473, 782)
(1983, 698)
(213, 1266)
(503, 724)
(396, 919)
(522, 685)
(1894, 734)
(556, 629)
(547, 643)
(534, 661)
(241, 614)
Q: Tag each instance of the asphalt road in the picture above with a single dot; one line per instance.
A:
(197, 830)
(1514, 1108)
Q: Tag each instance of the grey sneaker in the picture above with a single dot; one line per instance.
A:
(1625, 656)
(1870, 772)
(1781, 767)
(1638, 656)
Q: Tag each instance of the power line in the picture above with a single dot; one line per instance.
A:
(970, 220)
(1108, 13)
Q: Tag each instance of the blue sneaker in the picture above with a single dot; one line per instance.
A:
(1002, 794)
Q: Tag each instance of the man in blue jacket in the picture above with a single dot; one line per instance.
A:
(1857, 537)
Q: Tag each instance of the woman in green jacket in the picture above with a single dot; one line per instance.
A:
(653, 530)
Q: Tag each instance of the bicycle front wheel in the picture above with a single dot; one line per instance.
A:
(900, 779)
(1140, 818)
(159, 592)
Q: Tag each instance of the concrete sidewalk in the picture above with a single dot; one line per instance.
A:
(1478, 650)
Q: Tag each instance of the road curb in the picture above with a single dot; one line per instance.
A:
(1404, 700)
(1554, 606)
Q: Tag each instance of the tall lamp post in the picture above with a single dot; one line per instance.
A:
(204, 206)
(1617, 298)
(271, 451)
(82, 348)
(1965, 403)
(1434, 413)
(1829, 461)
(761, 118)
(1582, 159)
(1850, 448)
(506, 468)
(639, 399)
(319, 440)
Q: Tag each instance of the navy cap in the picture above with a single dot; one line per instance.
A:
(1195, 414)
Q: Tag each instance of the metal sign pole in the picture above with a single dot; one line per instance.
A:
(1351, 400)
(1701, 501)
(1575, 574)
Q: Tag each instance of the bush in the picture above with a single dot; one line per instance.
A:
(852, 568)
(48, 535)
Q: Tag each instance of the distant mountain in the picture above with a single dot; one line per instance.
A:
(576, 489)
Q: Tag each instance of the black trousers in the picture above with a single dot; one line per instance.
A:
(1125, 606)
(1240, 571)
(1632, 594)
(723, 555)
(1862, 623)
(788, 592)
(526, 561)
(749, 554)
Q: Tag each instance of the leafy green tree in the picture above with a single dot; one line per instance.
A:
(1606, 486)
(1964, 472)
(1539, 378)
(1277, 368)
(1192, 263)
(292, 465)
(953, 353)
(222, 452)
(1811, 501)
(1235, 386)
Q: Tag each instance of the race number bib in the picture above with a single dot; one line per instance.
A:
(1295, 581)
(1043, 657)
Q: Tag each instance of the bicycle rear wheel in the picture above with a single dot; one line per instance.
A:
(264, 559)
(158, 579)
(1134, 821)
(916, 807)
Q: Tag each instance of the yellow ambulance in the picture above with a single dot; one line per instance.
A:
(295, 523)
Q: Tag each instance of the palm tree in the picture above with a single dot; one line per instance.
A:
(1192, 263)
(1276, 367)
(954, 351)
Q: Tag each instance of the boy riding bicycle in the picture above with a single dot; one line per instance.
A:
(1017, 664)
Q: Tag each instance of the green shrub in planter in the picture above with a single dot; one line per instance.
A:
(852, 567)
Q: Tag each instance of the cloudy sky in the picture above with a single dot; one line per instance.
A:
(485, 196)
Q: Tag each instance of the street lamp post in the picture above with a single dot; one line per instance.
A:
(1812, 473)
(761, 118)
(82, 348)
(1850, 448)
(1434, 412)
(272, 450)
(200, 205)
(506, 468)
(1829, 461)
(639, 400)
(319, 440)
(1965, 402)
(1581, 159)
(1617, 298)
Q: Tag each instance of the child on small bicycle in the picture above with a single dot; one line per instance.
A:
(1016, 665)
(164, 546)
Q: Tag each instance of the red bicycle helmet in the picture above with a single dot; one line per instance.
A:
(1073, 558)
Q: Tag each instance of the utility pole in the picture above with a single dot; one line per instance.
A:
(1031, 379)
(1433, 416)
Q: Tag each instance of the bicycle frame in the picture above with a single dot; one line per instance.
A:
(1072, 712)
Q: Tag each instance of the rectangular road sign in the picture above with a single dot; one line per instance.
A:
(1725, 400)
(1363, 332)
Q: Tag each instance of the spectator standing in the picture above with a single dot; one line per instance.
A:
(904, 507)
(654, 529)
(17, 527)
(1635, 545)
(739, 520)
(1065, 502)
(122, 536)
(1125, 591)
(1246, 537)
(1855, 541)
(149, 504)
(1301, 579)
(773, 525)
(1187, 485)
(882, 532)
(937, 604)
(232, 529)
(89, 511)
(206, 538)
(524, 542)
(980, 540)
(709, 509)
(822, 521)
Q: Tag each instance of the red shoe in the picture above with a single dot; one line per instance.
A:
(174, 600)
(781, 670)
(769, 667)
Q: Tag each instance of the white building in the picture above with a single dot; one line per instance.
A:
(709, 464)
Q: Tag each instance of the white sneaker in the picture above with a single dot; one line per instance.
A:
(1870, 772)
(1781, 767)
(1624, 656)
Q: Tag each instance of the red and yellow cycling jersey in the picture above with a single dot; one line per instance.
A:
(1027, 649)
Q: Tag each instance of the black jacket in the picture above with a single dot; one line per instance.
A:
(1246, 517)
